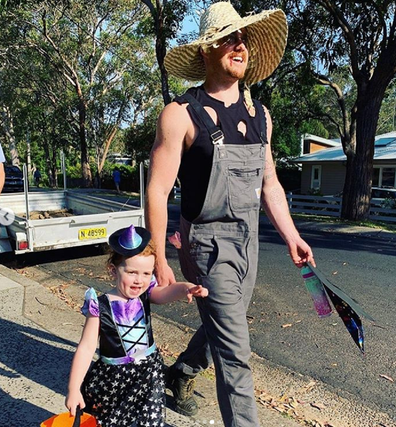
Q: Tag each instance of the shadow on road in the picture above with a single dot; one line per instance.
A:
(31, 360)
(334, 240)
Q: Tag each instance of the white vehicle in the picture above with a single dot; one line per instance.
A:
(89, 219)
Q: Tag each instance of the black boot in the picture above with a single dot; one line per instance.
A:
(182, 387)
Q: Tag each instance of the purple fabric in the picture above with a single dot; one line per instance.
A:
(152, 285)
(124, 311)
(91, 304)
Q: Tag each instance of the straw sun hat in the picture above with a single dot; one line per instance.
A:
(266, 33)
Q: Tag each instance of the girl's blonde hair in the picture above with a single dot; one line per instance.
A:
(116, 259)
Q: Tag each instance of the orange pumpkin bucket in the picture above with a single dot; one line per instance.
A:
(66, 420)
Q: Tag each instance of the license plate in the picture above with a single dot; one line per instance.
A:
(92, 233)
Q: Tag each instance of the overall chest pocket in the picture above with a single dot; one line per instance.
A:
(244, 187)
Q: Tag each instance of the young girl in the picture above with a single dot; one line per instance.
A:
(125, 386)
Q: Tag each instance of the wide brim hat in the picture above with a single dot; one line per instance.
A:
(266, 34)
(129, 241)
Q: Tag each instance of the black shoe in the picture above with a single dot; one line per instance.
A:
(182, 387)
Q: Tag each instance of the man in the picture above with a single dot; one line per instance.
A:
(117, 178)
(222, 155)
(2, 173)
(37, 177)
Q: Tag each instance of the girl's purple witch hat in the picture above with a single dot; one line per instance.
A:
(129, 241)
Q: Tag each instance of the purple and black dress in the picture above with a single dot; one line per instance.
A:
(125, 386)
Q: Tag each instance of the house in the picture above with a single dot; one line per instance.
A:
(313, 143)
(324, 169)
(119, 159)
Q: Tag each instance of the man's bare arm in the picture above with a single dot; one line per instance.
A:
(275, 205)
(164, 165)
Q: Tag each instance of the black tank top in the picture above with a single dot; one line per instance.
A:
(196, 163)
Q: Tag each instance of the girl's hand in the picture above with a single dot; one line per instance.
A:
(73, 400)
(196, 291)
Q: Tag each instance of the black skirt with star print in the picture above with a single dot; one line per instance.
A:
(130, 395)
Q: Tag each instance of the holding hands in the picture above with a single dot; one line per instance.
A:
(177, 291)
(195, 291)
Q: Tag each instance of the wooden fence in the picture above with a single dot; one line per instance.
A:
(331, 206)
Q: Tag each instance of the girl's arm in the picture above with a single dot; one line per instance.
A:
(81, 361)
(176, 291)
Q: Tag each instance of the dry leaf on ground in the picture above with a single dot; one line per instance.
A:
(387, 378)
(319, 406)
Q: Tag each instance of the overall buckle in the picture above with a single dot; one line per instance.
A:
(217, 137)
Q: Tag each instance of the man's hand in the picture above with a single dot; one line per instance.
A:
(164, 274)
(300, 252)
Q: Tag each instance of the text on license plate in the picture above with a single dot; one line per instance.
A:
(92, 233)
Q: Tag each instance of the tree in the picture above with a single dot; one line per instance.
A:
(167, 16)
(329, 38)
(329, 35)
(94, 48)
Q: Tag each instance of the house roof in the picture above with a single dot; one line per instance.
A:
(320, 140)
(385, 149)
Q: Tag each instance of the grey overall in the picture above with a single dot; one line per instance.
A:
(220, 251)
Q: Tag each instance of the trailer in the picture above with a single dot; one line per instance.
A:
(88, 219)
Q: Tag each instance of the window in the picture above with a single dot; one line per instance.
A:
(316, 177)
(384, 176)
(376, 177)
(388, 177)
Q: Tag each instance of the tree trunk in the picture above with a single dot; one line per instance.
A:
(358, 179)
(107, 146)
(8, 124)
(85, 168)
(160, 50)
(54, 170)
(157, 13)
(46, 148)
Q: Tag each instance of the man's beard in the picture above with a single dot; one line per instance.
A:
(237, 74)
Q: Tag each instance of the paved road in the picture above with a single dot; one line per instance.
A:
(363, 267)
(283, 325)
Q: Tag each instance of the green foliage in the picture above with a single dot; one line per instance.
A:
(388, 203)
(297, 106)
(140, 137)
(73, 171)
(130, 178)
(387, 117)
(315, 192)
(94, 57)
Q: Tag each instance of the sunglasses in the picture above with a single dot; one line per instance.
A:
(232, 39)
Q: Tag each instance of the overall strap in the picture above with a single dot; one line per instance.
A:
(263, 121)
(216, 134)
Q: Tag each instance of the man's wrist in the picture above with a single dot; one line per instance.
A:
(161, 262)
